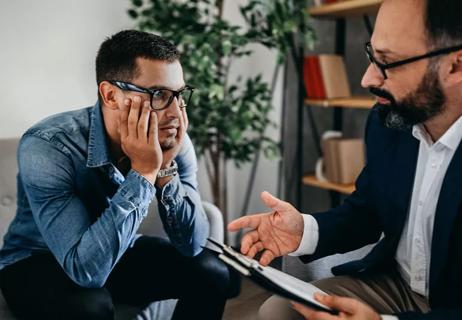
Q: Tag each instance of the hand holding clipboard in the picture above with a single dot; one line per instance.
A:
(272, 279)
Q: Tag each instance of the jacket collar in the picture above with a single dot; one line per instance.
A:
(98, 151)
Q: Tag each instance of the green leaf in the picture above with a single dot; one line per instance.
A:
(137, 3)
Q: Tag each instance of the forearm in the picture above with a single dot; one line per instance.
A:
(89, 250)
(183, 216)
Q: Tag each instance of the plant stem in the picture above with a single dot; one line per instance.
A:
(256, 159)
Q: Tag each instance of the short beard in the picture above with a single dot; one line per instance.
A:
(167, 144)
(424, 103)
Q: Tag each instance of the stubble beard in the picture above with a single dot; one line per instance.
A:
(427, 101)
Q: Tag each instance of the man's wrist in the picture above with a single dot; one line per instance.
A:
(150, 176)
(168, 171)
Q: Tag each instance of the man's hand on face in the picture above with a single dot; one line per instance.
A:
(171, 153)
(139, 137)
(349, 309)
(278, 232)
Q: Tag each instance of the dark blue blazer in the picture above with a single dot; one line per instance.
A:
(380, 205)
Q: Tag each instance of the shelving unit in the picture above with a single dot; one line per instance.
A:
(340, 11)
(360, 102)
(346, 9)
(311, 180)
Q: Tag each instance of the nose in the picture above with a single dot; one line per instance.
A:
(173, 110)
(372, 77)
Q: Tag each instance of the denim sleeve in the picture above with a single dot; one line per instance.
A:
(86, 249)
(180, 205)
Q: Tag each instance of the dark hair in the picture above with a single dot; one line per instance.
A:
(443, 22)
(116, 58)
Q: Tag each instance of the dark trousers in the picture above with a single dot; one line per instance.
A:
(38, 288)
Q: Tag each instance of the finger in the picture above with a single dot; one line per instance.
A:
(274, 203)
(123, 118)
(153, 132)
(252, 221)
(303, 310)
(143, 122)
(254, 249)
(312, 314)
(267, 257)
(347, 305)
(133, 117)
(185, 118)
(248, 240)
(182, 127)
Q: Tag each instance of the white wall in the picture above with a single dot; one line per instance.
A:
(47, 52)
(47, 56)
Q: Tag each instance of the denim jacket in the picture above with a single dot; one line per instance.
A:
(74, 202)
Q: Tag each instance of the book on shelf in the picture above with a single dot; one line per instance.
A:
(343, 159)
(325, 77)
(318, 3)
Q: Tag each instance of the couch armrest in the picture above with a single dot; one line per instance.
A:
(215, 218)
(152, 225)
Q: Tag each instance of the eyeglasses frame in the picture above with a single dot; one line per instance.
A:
(127, 86)
(385, 66)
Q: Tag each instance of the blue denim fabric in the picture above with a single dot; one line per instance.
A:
(74, 202)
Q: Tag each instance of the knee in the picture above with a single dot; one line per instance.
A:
(216, 274)
(90, 306)
(277, 308)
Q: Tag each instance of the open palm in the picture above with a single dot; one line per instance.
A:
(275, 233)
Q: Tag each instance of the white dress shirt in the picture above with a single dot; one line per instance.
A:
(414, 248)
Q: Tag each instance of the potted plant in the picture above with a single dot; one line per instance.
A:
(228, 120)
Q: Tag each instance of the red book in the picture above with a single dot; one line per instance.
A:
(308, 77)
(320, 91)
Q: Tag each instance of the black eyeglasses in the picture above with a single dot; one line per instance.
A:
(382, 67)
(160, 98)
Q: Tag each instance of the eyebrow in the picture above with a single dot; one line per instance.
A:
(164, 87)
(388, 52)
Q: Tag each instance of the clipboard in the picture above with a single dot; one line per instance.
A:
(272, 279)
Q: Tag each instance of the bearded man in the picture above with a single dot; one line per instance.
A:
(408, 197)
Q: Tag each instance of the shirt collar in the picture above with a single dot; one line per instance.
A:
(450, 139)
(98, 152)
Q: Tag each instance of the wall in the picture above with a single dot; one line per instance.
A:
(47, 56)
(47, 66)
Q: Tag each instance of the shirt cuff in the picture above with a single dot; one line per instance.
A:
(170, 191)
(388, 317)
(137, 189)
(310, 237)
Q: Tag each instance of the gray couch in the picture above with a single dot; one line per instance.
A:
(151, 226)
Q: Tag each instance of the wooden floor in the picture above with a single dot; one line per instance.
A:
(245, 306)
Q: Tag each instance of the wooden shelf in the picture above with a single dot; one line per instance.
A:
(350, 102)
(311, 180)
(346, 8)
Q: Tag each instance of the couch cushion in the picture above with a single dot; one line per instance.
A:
(8, 171)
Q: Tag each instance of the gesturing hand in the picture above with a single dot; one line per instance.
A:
(139, 137)
(349, 309)
(277, 233)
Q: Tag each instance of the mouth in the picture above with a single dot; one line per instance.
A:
(382, 100)
(169, 130)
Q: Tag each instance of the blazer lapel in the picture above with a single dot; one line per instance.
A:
(405, 163)
(446, 211)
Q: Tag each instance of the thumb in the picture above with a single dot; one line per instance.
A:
(344, 304)
(274, 203)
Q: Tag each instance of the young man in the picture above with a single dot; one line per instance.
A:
(410, 191)
(85, 181)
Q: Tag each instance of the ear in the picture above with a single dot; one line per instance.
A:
(108, 95)
(454, 75)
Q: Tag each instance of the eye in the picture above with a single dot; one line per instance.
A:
(383, 60)
(160, 94)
